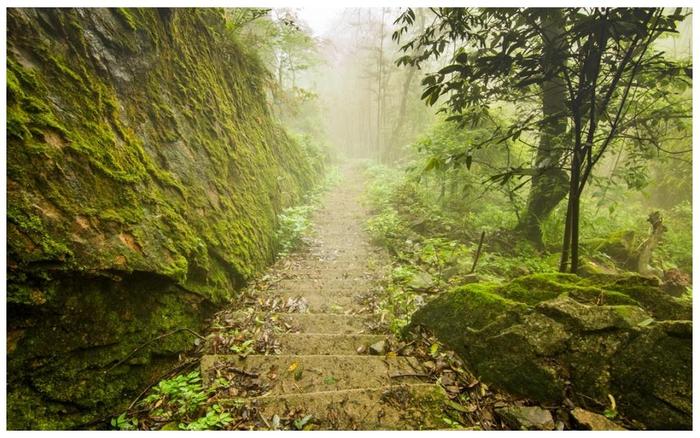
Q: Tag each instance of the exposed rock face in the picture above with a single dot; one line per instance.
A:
(526, 417)
(144, 178)
(592, 421)
(549, 337)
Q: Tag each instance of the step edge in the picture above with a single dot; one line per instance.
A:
(338, 391)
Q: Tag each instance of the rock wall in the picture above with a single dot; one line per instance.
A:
(144, 176)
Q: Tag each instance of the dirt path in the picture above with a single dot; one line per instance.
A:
(312, 352)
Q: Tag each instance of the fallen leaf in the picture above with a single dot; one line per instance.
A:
(293, 367)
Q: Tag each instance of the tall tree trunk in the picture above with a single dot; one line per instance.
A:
(575, 194)
(396, 132)
(549, 184)
(564, 261)
(380, 77)
(393, 146)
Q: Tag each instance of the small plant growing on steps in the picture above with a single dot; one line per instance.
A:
(123, 423)
(293, 224)
(215, 418)
(181, 395)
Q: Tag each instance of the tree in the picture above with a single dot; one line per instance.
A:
(279, 38)
(607, 58)
(549, 181)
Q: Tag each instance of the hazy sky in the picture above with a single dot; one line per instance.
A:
(319, 19)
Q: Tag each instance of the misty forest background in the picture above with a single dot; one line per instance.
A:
(475, 139)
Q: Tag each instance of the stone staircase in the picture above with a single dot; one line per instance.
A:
(322, 364)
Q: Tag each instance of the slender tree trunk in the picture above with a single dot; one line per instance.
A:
(564, 262)
(279, 71)
(380, 76)
(396, 133)
(549, 184)
(646, 249)
(575, 204)
(405, 90)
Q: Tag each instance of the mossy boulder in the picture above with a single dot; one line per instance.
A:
(620, 246)
(577, 338)
(144, 178)
(657, 365)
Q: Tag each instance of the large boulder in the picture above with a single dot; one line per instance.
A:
(551, 337)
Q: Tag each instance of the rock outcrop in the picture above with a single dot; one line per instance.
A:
(553, 337)
(144, 177)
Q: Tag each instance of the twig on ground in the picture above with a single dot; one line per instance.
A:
(146, 344)
(395, 376)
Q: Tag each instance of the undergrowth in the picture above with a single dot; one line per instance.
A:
(295, 222)
(434, 238)
(178, 403)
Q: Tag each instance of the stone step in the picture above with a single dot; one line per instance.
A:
(287, 374)
(339, 241)
(343, 246)
(326, 284)
(355, 258)
(323, 343)
(322, 301)
(353, 233)
(304, 269)
(328, 323)
(328, 274)
(396, 407)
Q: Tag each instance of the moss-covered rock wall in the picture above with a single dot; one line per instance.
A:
(144, 176)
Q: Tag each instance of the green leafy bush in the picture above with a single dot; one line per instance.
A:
(293, 224)
(182, 395)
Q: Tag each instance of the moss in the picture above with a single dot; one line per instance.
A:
(128, 18)
(138, 144)
(620, 247)
(659, 394)
(103, 322)
(534, 288)
(467, 308)
(551, 336)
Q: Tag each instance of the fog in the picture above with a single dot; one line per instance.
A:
(337, 84)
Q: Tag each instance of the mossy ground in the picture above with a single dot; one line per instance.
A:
(143, 166)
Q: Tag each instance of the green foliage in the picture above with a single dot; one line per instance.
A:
(182, 400)
(398, 305)
(385, 226)
(123, 423)
(676, 249)
(182, 395)
(293, 224)
(303, 423)
(498, 56)
(244, 348)
(215, 418)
